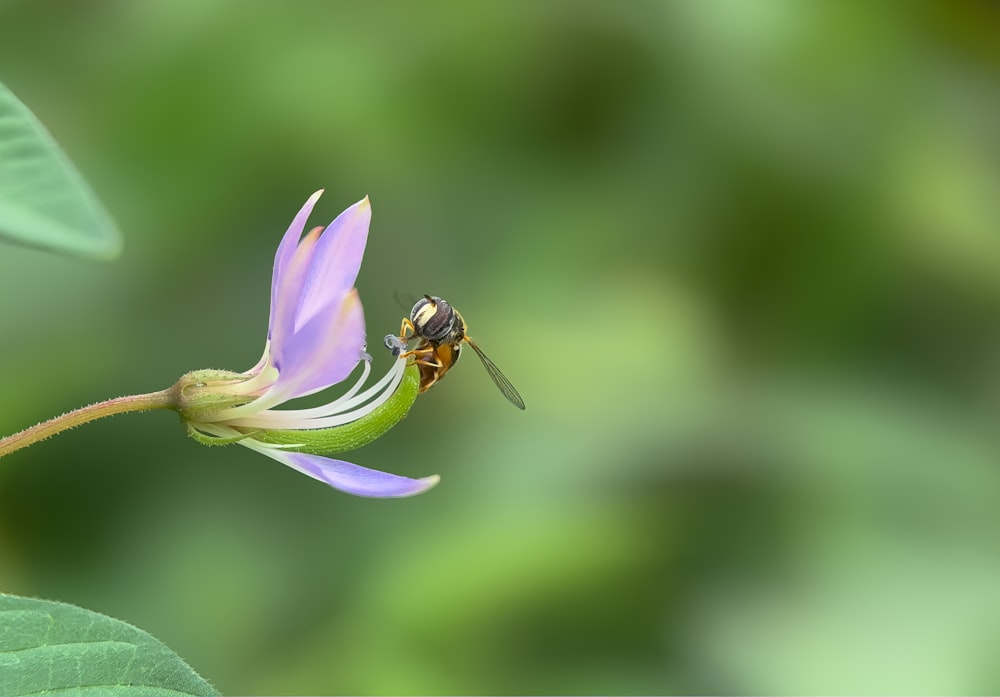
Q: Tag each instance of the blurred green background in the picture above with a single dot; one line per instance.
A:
(742, 259)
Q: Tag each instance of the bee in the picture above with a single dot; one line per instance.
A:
(441, 331)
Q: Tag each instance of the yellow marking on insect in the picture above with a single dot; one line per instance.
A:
(424, 314)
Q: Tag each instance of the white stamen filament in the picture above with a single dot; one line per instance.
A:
(340, 411)
(333, 407)
(267, 398)
(227, 432)
(264, 359)
(396, 376)
(259, 382)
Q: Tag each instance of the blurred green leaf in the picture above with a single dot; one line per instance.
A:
(44, 201)
(54, 648)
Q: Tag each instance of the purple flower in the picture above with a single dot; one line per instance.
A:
(315, 339)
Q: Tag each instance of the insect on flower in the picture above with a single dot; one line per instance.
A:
(441, 332)
(315, 339)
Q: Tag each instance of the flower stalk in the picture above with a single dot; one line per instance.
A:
(84, 415)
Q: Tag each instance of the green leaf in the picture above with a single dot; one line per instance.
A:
(57, 649)
(44, 201)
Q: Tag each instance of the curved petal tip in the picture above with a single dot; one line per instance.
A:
(428, 482)
(361, 481)
(348, 477)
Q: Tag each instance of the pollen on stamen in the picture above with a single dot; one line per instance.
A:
(394, 344)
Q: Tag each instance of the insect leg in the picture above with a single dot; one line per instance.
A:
(406, 329)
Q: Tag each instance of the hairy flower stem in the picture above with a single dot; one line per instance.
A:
(164, 399)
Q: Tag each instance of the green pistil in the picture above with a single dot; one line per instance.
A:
(353, 435)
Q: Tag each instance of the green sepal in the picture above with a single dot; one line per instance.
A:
(342, 439)
(206, 439)
(203, 392)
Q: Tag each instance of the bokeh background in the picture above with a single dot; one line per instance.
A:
(742, 259)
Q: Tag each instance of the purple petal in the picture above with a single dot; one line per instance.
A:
(351, 478)
(286, 250)
(323, 352)
(335, 261)
(289, 293)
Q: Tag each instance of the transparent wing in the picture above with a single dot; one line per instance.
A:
(499, 379)
(406, 301)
